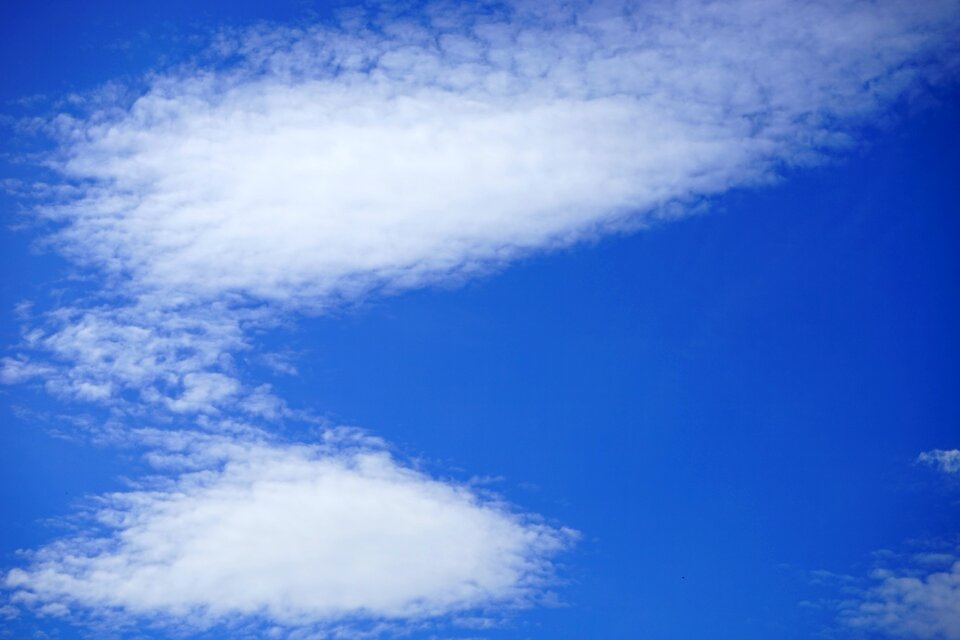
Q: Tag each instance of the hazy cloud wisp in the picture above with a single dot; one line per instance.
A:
(911, 601)
(945, 460)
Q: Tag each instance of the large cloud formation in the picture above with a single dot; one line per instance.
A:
(322, 162)
(308, 167)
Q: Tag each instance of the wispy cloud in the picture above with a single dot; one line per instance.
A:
(917, 599)
(295, 534)
(130, 355)
(945, 460)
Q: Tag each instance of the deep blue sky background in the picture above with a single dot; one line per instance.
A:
(720, 405)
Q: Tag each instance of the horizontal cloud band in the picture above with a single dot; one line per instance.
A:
(315, 164)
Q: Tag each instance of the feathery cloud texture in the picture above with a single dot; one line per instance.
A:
(945, 460)
(911, 601)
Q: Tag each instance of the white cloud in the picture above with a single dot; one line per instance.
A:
(297, 534)
(911, 602)
(945, 460)
(308, 167)
(329, 161)
(175, 358)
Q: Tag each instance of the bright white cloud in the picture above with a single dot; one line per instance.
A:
(305, 167)
(911, 602)
(179, 358)
(327, 161)
(945, 460)
(297, 534)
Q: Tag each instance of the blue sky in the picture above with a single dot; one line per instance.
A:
(601, 321)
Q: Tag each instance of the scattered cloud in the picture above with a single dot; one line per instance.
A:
(178, 359)
(295, 534)
(945, 460)
(917, 599)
